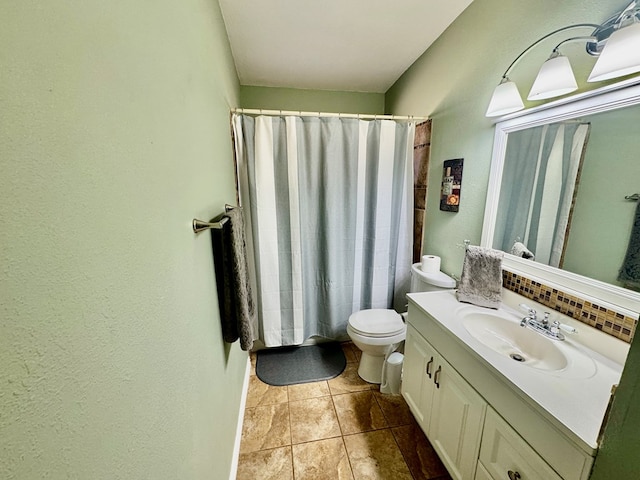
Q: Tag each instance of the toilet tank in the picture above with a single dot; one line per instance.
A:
(427, 282)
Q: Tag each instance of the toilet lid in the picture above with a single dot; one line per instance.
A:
(377, 322)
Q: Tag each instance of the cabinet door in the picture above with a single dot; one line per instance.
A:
(457, 417)
(417, 376)
(481, 473)
(506, 455)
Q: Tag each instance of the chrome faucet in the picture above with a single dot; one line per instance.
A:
(543, 327)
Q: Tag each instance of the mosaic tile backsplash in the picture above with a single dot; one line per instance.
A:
(609, 321)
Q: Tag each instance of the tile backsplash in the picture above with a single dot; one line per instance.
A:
(609, 321)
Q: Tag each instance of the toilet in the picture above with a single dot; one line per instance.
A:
(378, 332)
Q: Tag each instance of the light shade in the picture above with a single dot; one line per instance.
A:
(620, 56)
(555, 78)
(505, 99)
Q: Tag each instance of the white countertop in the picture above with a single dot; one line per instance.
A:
(575, 401)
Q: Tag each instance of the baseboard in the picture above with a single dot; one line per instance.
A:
(243, 403)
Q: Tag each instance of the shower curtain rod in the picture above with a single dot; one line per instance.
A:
(259, 111)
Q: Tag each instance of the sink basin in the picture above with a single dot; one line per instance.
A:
(500, 330)
(508, 338)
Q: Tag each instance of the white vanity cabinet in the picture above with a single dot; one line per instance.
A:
(480, 424)
(450, 412)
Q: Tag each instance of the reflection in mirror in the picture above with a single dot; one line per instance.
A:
(563, 175)
(539, 181)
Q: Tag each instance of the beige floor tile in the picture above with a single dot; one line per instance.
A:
(253, 356)
(376, 456)
(358, 412)
(420, 456)
(395, 409)
(321, 460)
(350, 354)
(274, 464)
(348, 381)
(261, 393)
(302, 391)
(313, 419)
(265, 427)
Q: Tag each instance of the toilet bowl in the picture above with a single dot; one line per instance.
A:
(378, 332)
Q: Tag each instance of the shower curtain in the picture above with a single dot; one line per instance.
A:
(538, 187)
(329, 210)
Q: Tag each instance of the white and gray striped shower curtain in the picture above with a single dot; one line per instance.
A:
(329, 209)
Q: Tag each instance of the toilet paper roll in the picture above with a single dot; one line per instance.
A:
(430, 264)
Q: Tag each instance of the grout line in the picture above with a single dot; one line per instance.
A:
(335, 410)
(290, 424)
(293, 465)
(346, 452)
(375, 397)
(404, 458)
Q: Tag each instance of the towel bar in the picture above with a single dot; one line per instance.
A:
(199, 225)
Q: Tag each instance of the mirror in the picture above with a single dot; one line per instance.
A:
(539, 187)
(559, 177)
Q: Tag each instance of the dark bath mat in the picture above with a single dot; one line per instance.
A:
(291, 365)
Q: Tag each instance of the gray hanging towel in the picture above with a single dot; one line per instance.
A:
(630, 272)
(237, 310)
(520, 250)
(481, 279)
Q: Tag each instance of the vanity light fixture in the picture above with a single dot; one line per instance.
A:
(616, 42)
(555, 78)
(622, 55)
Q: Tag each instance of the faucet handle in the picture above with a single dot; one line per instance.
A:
(528, 309)
(567, 328)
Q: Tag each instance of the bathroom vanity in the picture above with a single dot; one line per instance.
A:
(500, 401)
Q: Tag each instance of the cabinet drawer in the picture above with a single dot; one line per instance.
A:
(506, 456)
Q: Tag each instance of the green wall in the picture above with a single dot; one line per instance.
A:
(115, 134)
(271, 98)
(602, 218)
(452, 82)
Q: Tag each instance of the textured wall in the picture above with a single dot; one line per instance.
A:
(114, 136)
(311, 100)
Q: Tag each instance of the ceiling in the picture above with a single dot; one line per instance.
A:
(345, 45)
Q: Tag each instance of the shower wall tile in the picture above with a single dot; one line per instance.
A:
(420, 198)
(423, 133)
(418, 225)
(421, 153)
(590, 313)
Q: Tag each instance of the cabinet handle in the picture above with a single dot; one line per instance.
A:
(436, 375)
(513, 475)
(429, 365)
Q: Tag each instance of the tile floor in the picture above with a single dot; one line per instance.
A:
(343, 428)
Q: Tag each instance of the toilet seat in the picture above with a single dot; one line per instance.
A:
(377, 323)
